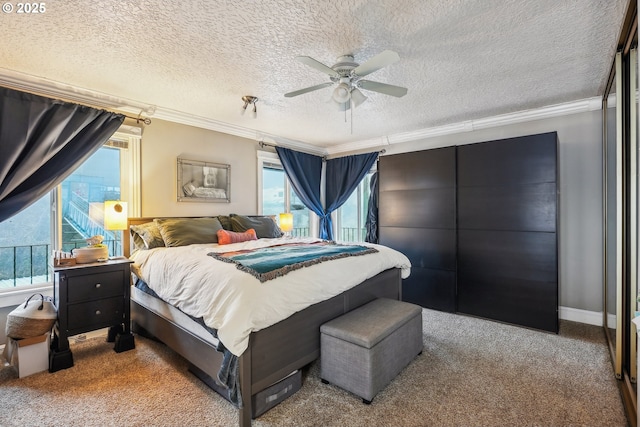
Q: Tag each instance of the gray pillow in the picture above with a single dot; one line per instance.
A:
(146, 236)
(187, 231)
(225, 221)
(265, 226)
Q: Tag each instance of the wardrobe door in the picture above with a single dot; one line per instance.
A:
(507, 231)
(416, 215)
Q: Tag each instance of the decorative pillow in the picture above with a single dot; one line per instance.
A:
(189, 188)
(227, 237)
(187, 231)
(225, 220)
(146, 236)
(265, 226)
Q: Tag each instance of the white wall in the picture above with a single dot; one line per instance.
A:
(580, 170)
(163, 142)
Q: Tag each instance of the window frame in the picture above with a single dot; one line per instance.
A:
(268, 158)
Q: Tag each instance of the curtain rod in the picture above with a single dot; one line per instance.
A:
(145, 120)
(263, 144)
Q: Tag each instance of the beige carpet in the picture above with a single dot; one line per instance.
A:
(472, 373)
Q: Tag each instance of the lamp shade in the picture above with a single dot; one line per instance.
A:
(357, 97)
(286, 222)
(341, 93)
(115, 215)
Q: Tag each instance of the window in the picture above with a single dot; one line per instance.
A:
(352, 215)
(28, 238)
(277, 196)
(25, 245)
(83, 196)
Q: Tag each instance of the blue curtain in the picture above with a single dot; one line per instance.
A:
(42, 141)
(372, 211)
(305, 172)
(343, 175)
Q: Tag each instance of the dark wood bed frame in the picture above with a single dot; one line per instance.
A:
(274, 352)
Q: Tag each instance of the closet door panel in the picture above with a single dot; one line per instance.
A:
(527, 207)
(425, 248)
(434, 289)
(417, 216)
(507, 231)
(433, 208)
(419, 170)
(523, 160)
(509, 276)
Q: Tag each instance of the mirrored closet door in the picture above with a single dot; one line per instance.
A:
(613, 219)
(620, 214)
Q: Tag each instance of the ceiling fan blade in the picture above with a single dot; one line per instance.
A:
(308, 89)
(380, 60)
(387, 89)
(307, 60)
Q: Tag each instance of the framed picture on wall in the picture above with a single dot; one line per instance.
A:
(203, 181)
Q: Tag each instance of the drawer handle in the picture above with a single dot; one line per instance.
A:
(98, 285)
(98, 313)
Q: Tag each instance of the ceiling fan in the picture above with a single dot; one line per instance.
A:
(347, 76)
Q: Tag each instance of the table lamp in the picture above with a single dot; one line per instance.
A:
(286, 222)
(115, 216)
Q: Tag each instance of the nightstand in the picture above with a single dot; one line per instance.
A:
(89, 297)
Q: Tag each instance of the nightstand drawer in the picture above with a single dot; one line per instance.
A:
(94, 286)
(97, 314)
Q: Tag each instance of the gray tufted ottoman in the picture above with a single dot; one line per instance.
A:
(363, 350)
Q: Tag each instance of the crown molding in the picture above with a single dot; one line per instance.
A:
(580, 106)
(50, 88)
(218, 126)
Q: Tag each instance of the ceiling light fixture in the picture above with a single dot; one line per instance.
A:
(342, 92)
(357, 97)
(248, 99)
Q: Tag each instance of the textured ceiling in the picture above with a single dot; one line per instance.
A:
(460, 59)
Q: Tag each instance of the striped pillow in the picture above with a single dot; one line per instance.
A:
(226, 237)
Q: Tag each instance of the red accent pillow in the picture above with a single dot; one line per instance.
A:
(226, 237)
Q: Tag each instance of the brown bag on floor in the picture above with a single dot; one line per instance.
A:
(31, 318)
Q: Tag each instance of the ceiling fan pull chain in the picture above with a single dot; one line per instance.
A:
(351, 119)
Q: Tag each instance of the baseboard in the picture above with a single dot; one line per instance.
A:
(581, 316)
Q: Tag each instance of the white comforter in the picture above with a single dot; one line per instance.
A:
(236, 303)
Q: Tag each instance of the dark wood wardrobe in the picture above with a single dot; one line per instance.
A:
(479, 225)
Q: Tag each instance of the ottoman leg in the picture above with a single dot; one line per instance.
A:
(366, 402)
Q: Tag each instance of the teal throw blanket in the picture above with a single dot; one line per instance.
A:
(269, 263)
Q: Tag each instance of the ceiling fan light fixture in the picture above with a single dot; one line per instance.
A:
(342, 93)
(341, 106)
(357, 97)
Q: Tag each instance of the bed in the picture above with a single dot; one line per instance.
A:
(267, 353)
